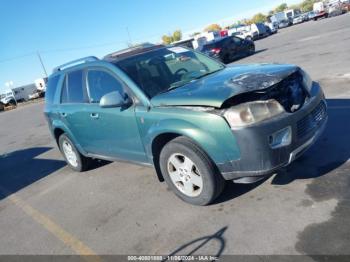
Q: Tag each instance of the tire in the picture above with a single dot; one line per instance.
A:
(184, 150)
(13, 103)
(251, 50)
(81, 162)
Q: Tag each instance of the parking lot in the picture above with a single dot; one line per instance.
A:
(120, 208)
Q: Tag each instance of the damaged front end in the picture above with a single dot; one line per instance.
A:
(272, 125)
(291, 92)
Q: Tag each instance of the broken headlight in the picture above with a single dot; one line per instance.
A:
(252, 112)
(307, 81)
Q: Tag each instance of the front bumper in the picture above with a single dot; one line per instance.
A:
(257, 158)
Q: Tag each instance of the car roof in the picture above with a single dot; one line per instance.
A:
(132, 51)
(113, 57)
(217, 40)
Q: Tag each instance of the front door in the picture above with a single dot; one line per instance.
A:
(112, 132)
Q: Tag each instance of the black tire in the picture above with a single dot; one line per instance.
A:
(213, 182)
(13, 103)
(225, 59)
(251, 50)
(83, 163)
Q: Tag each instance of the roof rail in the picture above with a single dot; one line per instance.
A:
(76, 62)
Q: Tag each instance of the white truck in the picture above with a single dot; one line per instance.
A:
(320, 10)
(7, 99)
(278, 18)
(243, 34)
(40, 85)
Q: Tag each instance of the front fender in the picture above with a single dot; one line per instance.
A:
(220, 148)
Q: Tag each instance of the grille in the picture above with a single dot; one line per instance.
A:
(311, 121)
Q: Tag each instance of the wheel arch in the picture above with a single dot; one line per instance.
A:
(59, 129)
(157, 144)
(162, 133)
(57, 132)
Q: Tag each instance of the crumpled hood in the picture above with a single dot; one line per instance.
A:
(214, 89)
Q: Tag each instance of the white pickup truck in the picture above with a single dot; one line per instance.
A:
(7, 98)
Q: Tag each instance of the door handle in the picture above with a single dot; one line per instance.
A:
(63, 114)
(94, 115)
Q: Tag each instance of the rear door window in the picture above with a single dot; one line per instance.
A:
(74, 90)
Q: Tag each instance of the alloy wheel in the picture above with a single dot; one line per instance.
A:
(185, 175)
(69, 153)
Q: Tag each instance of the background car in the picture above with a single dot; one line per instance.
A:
(311, 15)
(283, 24)
(335, 10)
(248, 35)
(298, 19)
(228, 49)
(273, 27)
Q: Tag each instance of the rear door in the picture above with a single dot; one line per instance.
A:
(74, 107)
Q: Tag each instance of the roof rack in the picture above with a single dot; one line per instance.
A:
(76, 62)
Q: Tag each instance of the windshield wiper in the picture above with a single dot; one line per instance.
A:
(209, 73)
(184, 82)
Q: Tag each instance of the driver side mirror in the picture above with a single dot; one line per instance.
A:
(114, 99)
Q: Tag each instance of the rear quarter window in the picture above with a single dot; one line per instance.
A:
(51, 89)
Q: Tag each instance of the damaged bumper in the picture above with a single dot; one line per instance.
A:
(259, 157)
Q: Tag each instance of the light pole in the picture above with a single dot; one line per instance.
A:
(41, 62)
(127, 30)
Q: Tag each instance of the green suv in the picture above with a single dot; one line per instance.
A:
(197, 121)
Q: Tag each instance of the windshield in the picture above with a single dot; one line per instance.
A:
(164, 69)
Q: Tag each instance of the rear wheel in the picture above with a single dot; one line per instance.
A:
(73, 157)
(189, 172)
(226, 59)
(251, 49)
(13, 103)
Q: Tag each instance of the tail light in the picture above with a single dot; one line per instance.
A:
(216, 50)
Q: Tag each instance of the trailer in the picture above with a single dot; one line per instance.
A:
(23, 93)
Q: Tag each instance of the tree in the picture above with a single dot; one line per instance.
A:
(167, 39)
(212, 27)
(307, 5)
(281, 8)
(177, 35)
(258, 18)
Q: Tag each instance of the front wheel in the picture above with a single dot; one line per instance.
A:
(189, 172)
(73, 157)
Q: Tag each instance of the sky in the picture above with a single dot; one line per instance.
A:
(65, 30)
